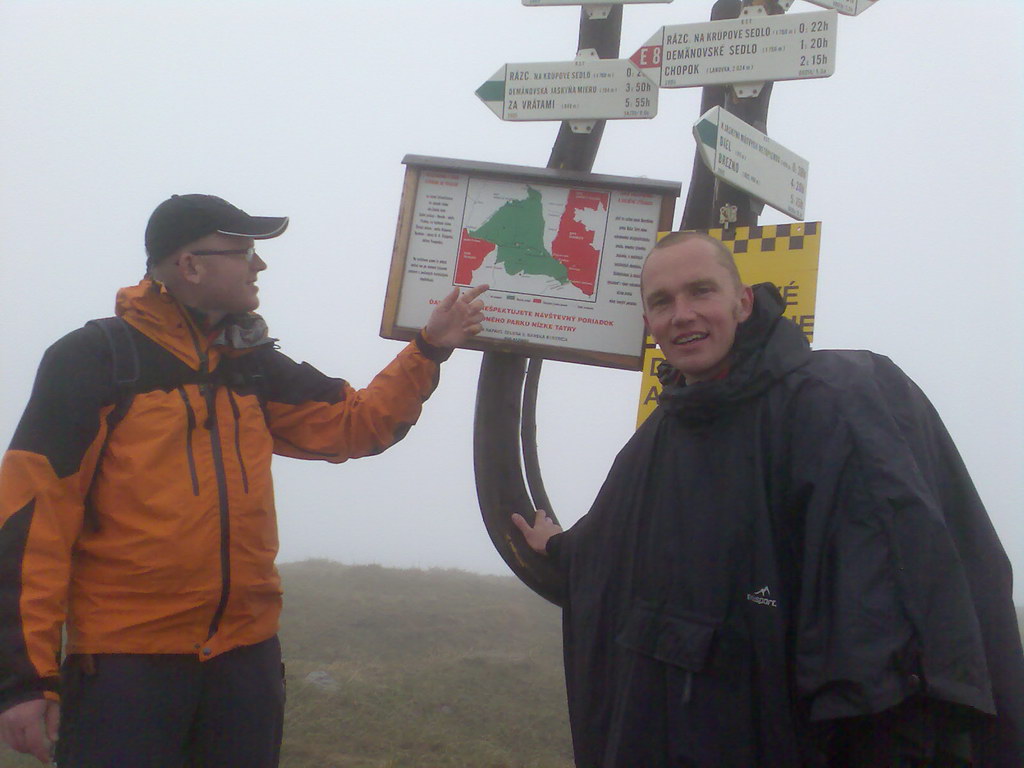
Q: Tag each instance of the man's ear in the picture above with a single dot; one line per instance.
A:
(190, 267)
(746, 304)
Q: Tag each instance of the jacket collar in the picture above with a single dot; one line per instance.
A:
(150, 308)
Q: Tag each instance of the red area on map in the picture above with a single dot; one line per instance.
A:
(472, 252)
(574, 243)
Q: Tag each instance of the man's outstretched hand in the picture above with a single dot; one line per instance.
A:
(31, 727)
(456, 318)
(537, 535)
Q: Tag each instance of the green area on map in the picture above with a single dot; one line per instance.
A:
(517, 228)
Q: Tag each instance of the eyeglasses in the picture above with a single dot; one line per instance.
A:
(249, 253)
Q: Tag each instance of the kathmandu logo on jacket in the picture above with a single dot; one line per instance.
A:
(763, 596)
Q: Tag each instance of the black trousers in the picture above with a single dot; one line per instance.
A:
(171, 710)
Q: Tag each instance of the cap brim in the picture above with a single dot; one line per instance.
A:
(257, 227)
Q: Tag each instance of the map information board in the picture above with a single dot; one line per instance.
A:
(562, 261)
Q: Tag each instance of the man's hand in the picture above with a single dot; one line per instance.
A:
(31, 727)
(456, 318)
(537, 535)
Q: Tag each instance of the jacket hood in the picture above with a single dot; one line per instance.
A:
(151, 309)
(767, 347)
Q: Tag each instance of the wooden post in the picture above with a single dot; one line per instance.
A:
(505, 411)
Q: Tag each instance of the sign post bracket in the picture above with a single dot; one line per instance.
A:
(706, 197)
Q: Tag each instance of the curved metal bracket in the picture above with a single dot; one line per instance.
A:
(499, 474)
(528, 431)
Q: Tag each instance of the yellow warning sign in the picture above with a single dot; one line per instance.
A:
(783, 254)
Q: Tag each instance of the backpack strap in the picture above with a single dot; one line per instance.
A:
(124, 370)
(124, 355)
(247, 372)
(258, 376)
(124, 364)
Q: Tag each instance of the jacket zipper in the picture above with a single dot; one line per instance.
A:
(209, 392)
(191, 417)
(238, 440)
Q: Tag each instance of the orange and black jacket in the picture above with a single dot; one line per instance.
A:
(158, 534)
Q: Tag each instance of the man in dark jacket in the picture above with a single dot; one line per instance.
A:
(788, 564)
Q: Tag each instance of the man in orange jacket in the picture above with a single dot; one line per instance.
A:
(137, 510)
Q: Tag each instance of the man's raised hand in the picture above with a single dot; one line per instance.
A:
(456, 318)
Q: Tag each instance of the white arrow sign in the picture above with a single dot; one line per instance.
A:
(584, 89)
(750, 49)
(740, 155)
(845, 7)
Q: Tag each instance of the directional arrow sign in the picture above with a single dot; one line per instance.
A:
(745, 50)
(584, 89)
(845, 7)
(740, 155)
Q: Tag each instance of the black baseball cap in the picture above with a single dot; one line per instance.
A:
(182, 219)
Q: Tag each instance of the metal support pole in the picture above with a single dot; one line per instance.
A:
(707, 195)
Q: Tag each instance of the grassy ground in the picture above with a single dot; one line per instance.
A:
(433, 668)
(417, 669)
